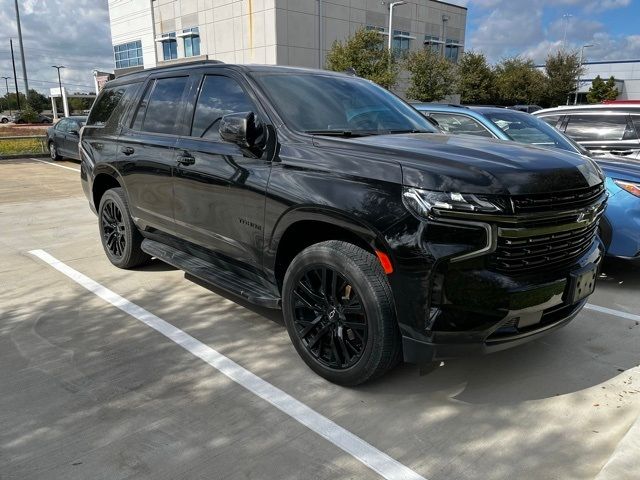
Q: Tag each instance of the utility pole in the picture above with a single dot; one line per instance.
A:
(588, 45)
(6, 82)
(566, 18)
(15, 79)
(58, 67)
(24, 65)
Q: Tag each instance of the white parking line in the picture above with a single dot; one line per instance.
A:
(611, 311)
(362, 451)
(54, 164)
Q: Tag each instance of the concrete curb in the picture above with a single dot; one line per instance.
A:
(624, 462)
(23, 155)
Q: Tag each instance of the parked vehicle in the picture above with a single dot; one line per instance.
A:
(603, 129)
(380, 239)
(63, 138)
(619, 227)
(19, 118)
(6, 118)
(526, 108)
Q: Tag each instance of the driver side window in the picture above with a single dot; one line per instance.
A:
(219, 96)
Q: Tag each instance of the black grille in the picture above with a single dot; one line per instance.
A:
(528, 254)
(557, 201)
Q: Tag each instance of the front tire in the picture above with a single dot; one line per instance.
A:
(339, 312)
(53, 151)
(5, 120)
(120, 237)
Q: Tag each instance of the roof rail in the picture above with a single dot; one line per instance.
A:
(173, 65)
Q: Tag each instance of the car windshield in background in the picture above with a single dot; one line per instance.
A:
(334, 105)
(525, 128)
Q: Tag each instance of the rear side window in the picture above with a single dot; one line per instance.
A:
(164, 105)
(551, 119)
(636, 122)
(219, 96)
(460, 124)
(106, 107)
(585, 128)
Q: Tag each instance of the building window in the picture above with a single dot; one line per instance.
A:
(452, 50)
(128, 54)
(169, 46)
(191, 42)
(376, 29)
(401, 42)
(434, 43)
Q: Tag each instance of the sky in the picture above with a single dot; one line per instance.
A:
(75, 33)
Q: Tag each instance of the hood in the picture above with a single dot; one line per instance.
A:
(469, 164)
(620, 167)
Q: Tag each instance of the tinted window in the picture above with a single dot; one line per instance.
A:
(551, 119)
(636, 123)
(219, 96)
(320, 103)
(164, 105)
(460, 124)
(599, 127)
(142, 108)
(62, 125)
(106, 104)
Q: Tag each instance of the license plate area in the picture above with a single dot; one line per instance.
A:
(582, 284)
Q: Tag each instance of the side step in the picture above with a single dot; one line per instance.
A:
(209, 273)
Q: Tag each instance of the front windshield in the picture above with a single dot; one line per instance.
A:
(526, 128)
(331, 104)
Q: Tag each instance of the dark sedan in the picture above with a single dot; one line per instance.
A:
(62, 138)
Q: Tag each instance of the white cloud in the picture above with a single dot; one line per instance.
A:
(74, 33)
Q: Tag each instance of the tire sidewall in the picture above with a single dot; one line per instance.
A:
(114, 195)
(53, 151)
(323, 256)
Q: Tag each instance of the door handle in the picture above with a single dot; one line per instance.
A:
(186, 160)
(127, 150)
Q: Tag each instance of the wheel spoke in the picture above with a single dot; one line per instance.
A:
(334, 351)
(321, 333)
(304, 300)
(310, 326)
(343, 347)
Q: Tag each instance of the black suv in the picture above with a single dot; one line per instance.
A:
(327, 196)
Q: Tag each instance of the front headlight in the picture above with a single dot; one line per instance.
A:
(631, 187)
(422, 202)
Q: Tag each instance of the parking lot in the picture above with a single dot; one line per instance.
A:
(93, 386)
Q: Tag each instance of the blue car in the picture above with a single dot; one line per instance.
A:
(620, 226)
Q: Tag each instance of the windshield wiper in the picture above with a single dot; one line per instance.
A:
(339, 133)
(392, 132)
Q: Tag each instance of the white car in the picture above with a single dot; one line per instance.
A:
(5, 119)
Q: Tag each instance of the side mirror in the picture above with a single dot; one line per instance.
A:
(243, 129)
(75, 133)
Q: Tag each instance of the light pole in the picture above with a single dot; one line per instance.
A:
(58, 67)
(392, 5)
(575, 100)
(445, 19)
(6, 82)
(24, 65)
(566, 18)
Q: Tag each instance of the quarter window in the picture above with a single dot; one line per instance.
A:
(460, 124)
(219, 96)
(593, 128)
(163, 111)
(551, 119)
(128, 54)
(107, 103)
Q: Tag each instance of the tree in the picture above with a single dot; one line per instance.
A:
(518, 81)
(475, 79)
(433, 77)
(601, 90)
(563, 70)
(37, 101)
(10, 100)
(366, 54)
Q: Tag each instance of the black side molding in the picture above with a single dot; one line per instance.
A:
(211, 274)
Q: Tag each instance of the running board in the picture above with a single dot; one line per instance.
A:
(211, 274)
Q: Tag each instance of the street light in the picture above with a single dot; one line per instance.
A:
(6, 82)
(566, 18)
(58, 67)
(588, 45)
(392, 5)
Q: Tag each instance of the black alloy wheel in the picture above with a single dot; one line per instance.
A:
(120, 237)
(340, 314)
(113, 229)
(330, 319)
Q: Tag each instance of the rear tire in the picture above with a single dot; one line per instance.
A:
(5, 120)
(339, 311)
(120, 237)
